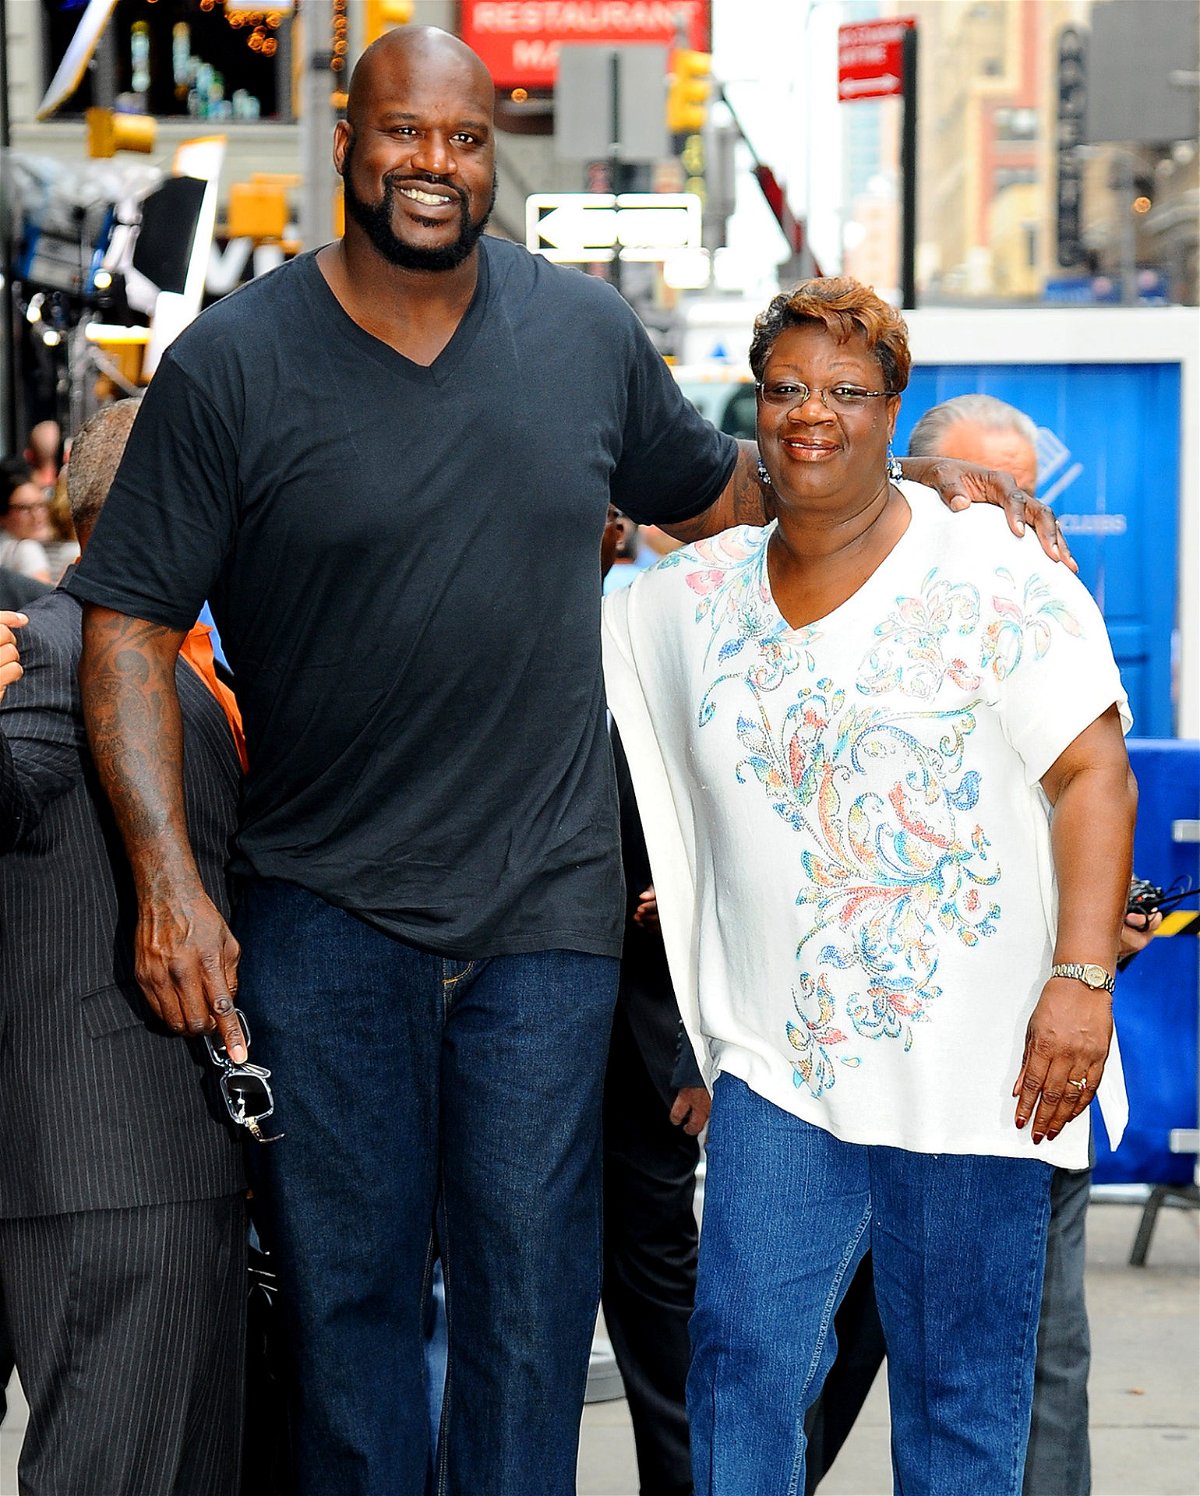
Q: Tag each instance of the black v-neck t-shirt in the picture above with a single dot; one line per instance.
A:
(403, 562)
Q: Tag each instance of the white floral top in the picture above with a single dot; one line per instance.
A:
(850, 843)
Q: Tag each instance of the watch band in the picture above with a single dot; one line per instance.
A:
(1091, 975)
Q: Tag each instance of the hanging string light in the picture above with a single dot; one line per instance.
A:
(341, 30)
(258, 24)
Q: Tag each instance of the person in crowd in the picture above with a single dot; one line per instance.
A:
(655, 1107)
(43, 453)
(62, 548)
(631, 557)
(429, 911)
(845, 732)
(980, 428)
(122, 1227)
(24, 527)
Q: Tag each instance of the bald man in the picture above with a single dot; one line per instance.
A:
(357, 457)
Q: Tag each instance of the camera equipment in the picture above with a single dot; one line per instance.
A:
(1145, 897)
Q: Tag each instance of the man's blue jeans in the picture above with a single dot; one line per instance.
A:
(958, 1244)
(406, 1085)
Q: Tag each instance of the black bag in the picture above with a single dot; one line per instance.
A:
(266, 1456)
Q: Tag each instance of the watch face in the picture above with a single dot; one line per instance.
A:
(1095, 976)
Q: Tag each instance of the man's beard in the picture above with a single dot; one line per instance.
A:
(375, 220)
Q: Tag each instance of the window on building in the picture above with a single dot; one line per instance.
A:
(182, 57)
(1016, 124)
(1012, 176)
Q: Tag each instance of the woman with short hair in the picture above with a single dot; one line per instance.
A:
(24, 521)
(879, 746)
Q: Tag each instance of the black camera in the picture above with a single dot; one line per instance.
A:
(1144, 897)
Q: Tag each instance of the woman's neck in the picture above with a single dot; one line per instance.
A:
(816, 560)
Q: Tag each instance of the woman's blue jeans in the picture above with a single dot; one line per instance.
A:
(409, 1086)
(958, 1243)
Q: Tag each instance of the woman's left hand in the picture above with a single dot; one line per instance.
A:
(961, 483)
(1066, 1042)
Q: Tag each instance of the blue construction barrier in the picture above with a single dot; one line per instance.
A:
(1158, 995)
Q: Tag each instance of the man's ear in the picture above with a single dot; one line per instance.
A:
(343, 134)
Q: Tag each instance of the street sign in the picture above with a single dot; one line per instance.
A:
(1072, 107)
(584, 128)
(519, 40)
(595, 227)
(870, 59)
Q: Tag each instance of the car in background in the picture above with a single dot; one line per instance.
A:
(722, 394)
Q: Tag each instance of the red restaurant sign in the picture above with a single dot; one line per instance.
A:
(870, 57)
(519, 39)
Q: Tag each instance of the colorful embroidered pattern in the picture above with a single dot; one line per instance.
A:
(893, 857)
(910, 655)
(1028, 622)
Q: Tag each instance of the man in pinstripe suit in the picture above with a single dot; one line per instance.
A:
(122, 1233)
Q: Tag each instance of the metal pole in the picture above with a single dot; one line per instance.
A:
(908, 172)
(316, 124)
(614, 171)
(1128, 231)
(8, 349)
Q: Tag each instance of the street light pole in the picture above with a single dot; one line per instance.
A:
(8, 361)
(808, 257)
(316, 124)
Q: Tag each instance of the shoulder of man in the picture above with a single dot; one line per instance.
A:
(17, 590)
(514, 268)
(53, 636)
(237, 321)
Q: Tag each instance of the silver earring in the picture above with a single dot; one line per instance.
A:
(763, 476)
(894, 471)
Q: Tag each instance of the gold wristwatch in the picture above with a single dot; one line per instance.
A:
(1089, 974)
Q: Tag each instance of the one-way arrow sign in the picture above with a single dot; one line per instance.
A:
(869, 58)
(585, 227)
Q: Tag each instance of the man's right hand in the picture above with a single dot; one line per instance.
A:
(186, 964)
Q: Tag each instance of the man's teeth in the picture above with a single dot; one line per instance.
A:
(431, 199)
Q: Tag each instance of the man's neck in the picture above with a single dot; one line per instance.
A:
(416, 312)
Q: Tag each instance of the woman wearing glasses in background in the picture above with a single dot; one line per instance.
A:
(24, 522)
(880, 749)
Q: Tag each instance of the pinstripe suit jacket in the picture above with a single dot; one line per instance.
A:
(100, 1108)
(645, 992)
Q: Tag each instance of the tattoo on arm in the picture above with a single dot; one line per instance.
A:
(127, 682)
(743, 501)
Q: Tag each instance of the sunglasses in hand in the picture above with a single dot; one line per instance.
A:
(244, 1087)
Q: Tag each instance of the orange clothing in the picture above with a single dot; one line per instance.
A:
(198, 652)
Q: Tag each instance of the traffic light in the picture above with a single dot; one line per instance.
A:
(1143, 191)
(382, 15)
(688, 90)
(110, 131)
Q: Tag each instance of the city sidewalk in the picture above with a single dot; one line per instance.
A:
(1144, 1388)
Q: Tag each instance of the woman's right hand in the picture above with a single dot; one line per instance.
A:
(1066, 1043)
(10, 655)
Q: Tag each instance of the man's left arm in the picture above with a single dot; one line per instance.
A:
(746, 500)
